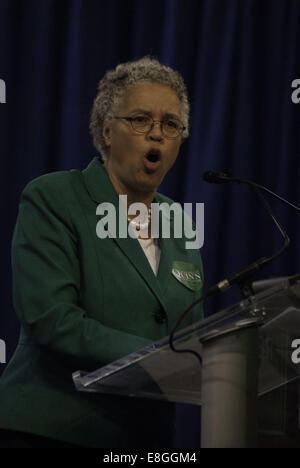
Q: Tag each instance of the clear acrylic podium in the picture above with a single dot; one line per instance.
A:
(241, 378)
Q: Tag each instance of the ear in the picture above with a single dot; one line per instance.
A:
(106, 132)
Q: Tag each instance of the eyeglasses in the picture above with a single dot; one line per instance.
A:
(171, 127)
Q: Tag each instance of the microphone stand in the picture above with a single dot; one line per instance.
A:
(246, 283)
(244, 278)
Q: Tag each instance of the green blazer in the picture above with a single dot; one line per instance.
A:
(84, 302)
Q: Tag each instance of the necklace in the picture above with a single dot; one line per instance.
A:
(138, 225)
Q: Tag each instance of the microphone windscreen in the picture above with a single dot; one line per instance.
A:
(215, 177)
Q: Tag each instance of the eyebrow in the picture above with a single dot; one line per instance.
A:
(166, 114)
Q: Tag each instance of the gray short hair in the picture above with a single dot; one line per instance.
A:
(115, 82)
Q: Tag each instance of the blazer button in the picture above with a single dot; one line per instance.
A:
(160, 316)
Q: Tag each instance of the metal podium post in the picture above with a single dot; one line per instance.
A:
(229, 387)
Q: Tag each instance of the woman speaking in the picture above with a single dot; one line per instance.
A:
(84, 301)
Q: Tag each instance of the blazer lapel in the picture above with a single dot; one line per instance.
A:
(167, 251)
(101, 190)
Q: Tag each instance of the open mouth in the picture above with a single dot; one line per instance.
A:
(152, 160)
(153, 155)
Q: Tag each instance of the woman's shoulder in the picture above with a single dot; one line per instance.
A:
(59, 183)
(56, 186)
(160, 198)
(49, 181)
(52, 192)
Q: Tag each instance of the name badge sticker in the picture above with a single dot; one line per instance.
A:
(187, 274)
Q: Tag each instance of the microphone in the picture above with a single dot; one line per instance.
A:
(217, 177)
(242, 277)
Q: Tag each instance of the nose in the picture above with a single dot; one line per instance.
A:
(155, 132)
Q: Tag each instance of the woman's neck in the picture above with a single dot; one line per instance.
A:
(133, 196)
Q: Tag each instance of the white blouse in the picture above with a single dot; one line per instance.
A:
(152, 252)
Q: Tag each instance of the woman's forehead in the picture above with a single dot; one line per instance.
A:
(151, 97)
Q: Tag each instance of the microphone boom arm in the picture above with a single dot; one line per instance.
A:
(243, 278)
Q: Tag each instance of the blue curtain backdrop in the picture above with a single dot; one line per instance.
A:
(238, 58)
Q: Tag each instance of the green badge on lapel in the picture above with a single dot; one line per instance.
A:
(188, 274)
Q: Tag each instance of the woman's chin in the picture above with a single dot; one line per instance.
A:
(150, 181)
